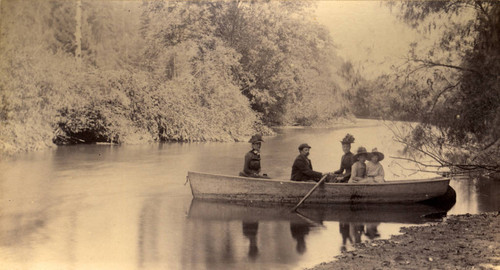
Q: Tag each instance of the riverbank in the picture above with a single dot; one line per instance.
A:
(459, 242)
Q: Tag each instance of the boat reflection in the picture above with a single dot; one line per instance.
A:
(396, 213)
(258, 234)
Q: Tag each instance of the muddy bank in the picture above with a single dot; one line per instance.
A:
(459, 242)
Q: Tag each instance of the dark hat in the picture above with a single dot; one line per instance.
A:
(361, 151)
(348, 139)
(304, 145)
(257, 138)
(376, 152)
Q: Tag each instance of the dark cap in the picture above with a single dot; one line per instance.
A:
(304, 145)
(256, 139)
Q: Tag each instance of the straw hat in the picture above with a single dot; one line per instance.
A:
(376, 152)
(361, 151)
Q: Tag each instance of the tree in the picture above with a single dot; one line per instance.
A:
(280, 54)
(287, 60)
(192, 66)
(457, 81)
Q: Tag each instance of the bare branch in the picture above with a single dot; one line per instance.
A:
(428, 63)
(441, 93)
(418, 162)
(491, 144)
(481, 8)
(436, 158)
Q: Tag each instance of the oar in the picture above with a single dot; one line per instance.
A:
(310, 192)
(308, 220)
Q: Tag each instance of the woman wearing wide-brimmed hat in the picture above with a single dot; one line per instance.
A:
(375, 170)
(358, 170)
(251, 167)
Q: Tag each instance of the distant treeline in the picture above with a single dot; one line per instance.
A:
(130, 71)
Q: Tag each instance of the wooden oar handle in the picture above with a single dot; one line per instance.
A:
(310, 192)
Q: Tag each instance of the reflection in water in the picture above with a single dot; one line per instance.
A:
(344, 231)
(227, 253)
(148, 233)
(356, 230)
(125, 207)
(250, 231)
(372, 230)
(299, 232)
(353, 231)
(357, 223)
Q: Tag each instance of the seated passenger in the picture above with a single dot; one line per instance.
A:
(251, 167)
(375, 170)
(346, 161)
(358, 170)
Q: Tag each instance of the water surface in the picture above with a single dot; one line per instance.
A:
(127, 207)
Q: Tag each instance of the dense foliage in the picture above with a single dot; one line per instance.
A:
(160, 70)
(270, 51)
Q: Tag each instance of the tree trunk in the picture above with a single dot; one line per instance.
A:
(78, 32)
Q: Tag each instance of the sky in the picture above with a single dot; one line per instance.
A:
(367, 34)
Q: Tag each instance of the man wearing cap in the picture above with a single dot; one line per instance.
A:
(251, 167)
(346, 161)
(302, 168)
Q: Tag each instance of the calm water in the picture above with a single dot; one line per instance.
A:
(127, 207)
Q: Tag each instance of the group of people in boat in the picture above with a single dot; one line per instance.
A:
(362, 167)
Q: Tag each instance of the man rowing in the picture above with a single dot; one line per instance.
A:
(302, 169)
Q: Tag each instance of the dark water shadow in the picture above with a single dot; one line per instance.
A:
(416, 213)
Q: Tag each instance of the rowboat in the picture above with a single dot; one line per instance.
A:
(235, 188)
(415, 213)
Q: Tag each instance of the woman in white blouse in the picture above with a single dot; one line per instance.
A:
(375, 170)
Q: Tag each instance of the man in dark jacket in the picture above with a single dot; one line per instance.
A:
(302, 168)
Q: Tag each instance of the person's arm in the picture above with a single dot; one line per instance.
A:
(341, 170)
(353, 173)
(354, 177)
(304, 168)
(348, 167)
(246, 169)
(379, 178)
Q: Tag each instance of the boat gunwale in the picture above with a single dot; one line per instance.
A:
(391, 182)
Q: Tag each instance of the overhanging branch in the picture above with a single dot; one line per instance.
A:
(428, 63)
